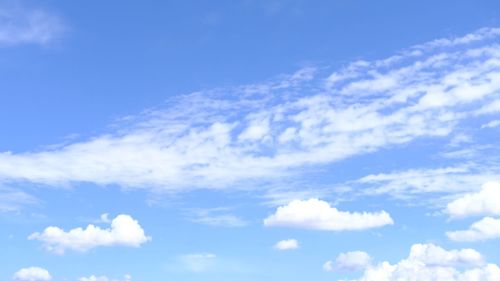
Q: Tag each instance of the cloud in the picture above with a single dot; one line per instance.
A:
(350, 261)
(216, 217)
(411, 183)
(484, 202)
(32, 274)
(319, 215)
(491, 124)
(250, 135)
(199, 262)
(21, 25)
(289, 244)
(486, 228)
(124, 231)
(431, 262)
(12, 200)
(104, 278)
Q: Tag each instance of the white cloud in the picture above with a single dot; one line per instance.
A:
(94, 278)
(32, 274)
(491, 124)
(329, 266)
(319, 215)
(217, 217)
(490, 108)
(486, 228)
(256, 130)
(276, 130)
(411, 183)
(20, 25)
(104, 218)
(104, 278)
(200, 262)
(431, 262)
(12, 200)
(484, 202)
(289, 244)
(350, 261)
(124, 231)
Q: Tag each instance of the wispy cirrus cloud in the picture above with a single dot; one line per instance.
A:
(23, 25)
(12, 200)
(249, 135)
(412, 183)
(217, 217)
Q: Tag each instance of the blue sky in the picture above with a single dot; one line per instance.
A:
(249, 140)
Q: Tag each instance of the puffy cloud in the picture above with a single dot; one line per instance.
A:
(32, 274)
(124, 231)
(319, 215)
(263, 132)
(484, 202)
(431, 262)
(487, 228)
(21, 25)
(289, 244)
(350, 261)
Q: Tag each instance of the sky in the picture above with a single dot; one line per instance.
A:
(249, 140)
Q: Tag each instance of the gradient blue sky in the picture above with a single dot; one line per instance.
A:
(364, 132)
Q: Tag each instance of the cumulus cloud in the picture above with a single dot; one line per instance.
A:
(124, 231)
(32, 274)
(350, 261)
(226, 138)
(22, 25)
(486, 228)
(319, 215)
(431, 262)
(484, 202)
(289, 244)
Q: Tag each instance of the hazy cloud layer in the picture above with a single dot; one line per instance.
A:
(23, 25)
